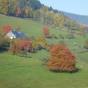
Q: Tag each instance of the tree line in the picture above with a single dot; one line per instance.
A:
(37, 11)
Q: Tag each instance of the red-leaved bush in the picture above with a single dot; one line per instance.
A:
(18, 11)
(20, 45)
(61, 59)
(7, 28)
(46, 32)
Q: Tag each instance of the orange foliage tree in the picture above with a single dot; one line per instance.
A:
(17, 46)
(46, 32)
(18, 11)
(61, 59)
(7, 28)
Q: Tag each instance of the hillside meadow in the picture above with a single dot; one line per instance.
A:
(30, 72)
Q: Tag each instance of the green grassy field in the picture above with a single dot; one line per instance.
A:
(22, 72)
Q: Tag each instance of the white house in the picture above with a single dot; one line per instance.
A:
(15, 34)
(10, 35)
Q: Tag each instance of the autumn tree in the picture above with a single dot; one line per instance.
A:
(26, 11)
(4, 42)
(46, 32)
(12, 7)
(20, 46)
(40, 43)
(4, 6)
(61, 59)
(1, 38)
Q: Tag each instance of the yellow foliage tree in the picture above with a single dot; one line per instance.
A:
(4, 6)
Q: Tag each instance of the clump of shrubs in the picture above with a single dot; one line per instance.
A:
(86, 44)
(46, 32)
(20, 46)
(61, 60)
(40, 43)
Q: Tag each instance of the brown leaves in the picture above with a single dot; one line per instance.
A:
(46, 32)
(61, 59)
(7, 28)
(20, 45)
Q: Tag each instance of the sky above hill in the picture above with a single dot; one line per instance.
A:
(72, 6)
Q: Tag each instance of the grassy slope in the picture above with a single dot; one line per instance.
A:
(27, 26)
(21, 72)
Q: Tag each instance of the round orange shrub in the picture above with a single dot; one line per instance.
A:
(61, 59)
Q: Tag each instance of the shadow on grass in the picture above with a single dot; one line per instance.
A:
(3, 49)
(59, 71)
